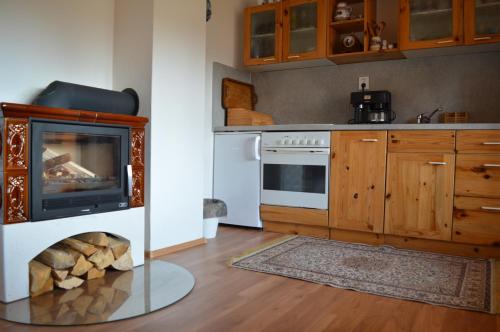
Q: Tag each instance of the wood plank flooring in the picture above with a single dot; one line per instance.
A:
(229, 299)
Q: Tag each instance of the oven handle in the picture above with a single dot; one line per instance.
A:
(303, 151)
(129, 180)
(256, 148)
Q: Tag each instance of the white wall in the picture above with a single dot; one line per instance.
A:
(43, 41)
(133, 54)
(224, 45)
(177, 119)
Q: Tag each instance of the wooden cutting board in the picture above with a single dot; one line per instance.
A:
(236, 94)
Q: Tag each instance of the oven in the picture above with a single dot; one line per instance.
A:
(295, 169)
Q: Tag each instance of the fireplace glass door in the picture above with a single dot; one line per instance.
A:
(78, 169)
(74, 162)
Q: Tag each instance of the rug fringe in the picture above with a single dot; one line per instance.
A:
(261, 247)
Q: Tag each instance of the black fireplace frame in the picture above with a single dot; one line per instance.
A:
(78, 203)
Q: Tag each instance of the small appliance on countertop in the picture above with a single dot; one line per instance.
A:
(372, 107)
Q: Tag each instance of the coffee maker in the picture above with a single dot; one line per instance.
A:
(372, 107)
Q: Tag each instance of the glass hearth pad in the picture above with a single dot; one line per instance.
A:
(119, 295)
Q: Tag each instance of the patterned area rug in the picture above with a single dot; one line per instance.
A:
(452, 281)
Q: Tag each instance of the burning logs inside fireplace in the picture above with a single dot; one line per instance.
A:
(70, 262)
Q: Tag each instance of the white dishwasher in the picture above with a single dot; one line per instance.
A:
(237, 176)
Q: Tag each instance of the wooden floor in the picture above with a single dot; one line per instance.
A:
(229, 299)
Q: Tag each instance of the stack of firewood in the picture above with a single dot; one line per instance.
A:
(70, 262)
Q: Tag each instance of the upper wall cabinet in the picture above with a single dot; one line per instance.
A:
(291, 30)
(304, 29)
(430, 23)
(482, 21)
(262, 42)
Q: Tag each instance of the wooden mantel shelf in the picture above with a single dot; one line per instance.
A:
(11, 110)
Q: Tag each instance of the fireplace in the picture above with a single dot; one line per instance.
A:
(78, 169)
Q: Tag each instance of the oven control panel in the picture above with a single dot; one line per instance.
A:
(296, 139)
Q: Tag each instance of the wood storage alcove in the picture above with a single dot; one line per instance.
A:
(71, 262)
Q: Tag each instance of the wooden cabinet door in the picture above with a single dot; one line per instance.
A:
(419, 199)
(357, 181)
(262, 34)
(430, 24)
(304, 29)
(482, 21)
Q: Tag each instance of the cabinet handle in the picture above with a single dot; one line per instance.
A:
(445, 41)
(293, 56)
(491, 143)
(491, 165)
(437, 163)
(269, 59)
(482, 38)
(490, 208)
(369, 140)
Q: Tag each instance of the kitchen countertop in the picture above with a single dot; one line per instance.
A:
(330, 127)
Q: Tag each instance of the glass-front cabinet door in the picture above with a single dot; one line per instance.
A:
(482, 21)
(262, 40)
(304, 29)
(430, 23)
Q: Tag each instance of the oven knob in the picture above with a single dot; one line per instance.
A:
(303, 142)
(286, 142)
(310, 141)
(314, 142)
(295, 142)
(321, 142)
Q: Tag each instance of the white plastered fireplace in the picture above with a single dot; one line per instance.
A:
(20, 243)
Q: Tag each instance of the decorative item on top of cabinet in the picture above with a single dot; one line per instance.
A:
(262, 34)
(430, 24)
(357, 180)
(419, 197)
(482, 21)
(304, 29)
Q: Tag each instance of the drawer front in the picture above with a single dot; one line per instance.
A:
(478, 175)
(421, 141)
(283, 214)
(478, 141)
(476, 221)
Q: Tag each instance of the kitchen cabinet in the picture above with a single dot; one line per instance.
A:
(357, 180)
(419, 198)
(304, 29)
(291, 30)
(262, 35)
(482, 21)
(430, 24)
(476, 213)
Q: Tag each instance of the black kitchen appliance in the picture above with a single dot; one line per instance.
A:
(372, 107)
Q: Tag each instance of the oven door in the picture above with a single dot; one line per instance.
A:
(296, 177)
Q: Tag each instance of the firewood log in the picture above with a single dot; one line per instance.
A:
(69, 283)
(40, 278)
(56, 161)
(95, 238)
(124, 263)
(95, 273)
(59, 274)
(102, 258)
(85, 248)
(118, 246)
(81, 266)
(81, 304)
(56, 258)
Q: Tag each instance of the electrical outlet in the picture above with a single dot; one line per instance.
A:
(366, 80)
